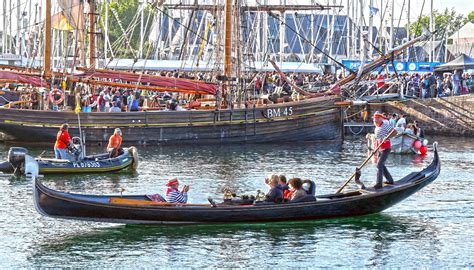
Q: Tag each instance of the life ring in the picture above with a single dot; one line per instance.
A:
(54, 92)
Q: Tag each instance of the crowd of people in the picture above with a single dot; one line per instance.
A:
(272, 82)
(264, 85)
(430, 85)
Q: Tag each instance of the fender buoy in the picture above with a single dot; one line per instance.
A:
(54, 92)
(132, 151)
(423, 150)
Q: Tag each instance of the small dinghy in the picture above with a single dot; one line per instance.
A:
(402, 143)
(139, 209)
(100, 163)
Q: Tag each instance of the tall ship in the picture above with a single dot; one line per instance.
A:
(225, 113)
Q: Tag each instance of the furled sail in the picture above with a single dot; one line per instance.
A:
(166, 82)
(34, 80)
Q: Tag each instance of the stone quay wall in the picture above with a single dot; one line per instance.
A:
(450, 116)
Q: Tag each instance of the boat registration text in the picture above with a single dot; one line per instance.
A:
(279, 112)
(86, 164)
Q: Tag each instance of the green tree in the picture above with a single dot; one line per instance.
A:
(470, 16)
(446, 23)
(125, 45)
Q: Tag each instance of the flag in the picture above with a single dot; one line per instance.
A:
(373, 11)
(60, 22)
(78, 104)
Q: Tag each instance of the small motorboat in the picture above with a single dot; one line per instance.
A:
(139, 209)
(402, 143)
(99, 163)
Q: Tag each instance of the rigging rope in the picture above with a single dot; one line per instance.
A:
(309, 42)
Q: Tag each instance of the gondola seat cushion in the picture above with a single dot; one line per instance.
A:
(156, 198)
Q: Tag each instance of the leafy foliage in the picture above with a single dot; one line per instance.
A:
(470, 16)
(124, 45)
(446, 22)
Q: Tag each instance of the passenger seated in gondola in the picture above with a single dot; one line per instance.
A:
(283, 186)
(173, 195)
(309, 186)
(275, 194)
(115, 142)
(296, 188)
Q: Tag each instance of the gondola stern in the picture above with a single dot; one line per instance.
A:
(32, 172)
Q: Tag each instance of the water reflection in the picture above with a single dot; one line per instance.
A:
(234, 242)
(430, 228)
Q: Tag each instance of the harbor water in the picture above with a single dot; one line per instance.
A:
(431, 229)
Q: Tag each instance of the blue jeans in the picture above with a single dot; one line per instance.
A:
(381, 169)
(456, 89)
(60, 153)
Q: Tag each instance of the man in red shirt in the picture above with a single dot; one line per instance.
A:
(62, 141)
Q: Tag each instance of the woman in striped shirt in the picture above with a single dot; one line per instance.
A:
(173, 195)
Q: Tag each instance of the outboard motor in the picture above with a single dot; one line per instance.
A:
(16, 158)
(6, 167)
(75, 148)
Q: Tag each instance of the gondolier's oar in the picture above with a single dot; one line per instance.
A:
(365, 161)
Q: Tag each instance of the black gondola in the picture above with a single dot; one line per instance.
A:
(139, 210)
(99, 163)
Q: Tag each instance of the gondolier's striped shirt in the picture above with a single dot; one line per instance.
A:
(382, 132)
(174, 196)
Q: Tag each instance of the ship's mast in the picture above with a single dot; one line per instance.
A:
(228, 39)
(92, 34)
(47, 43)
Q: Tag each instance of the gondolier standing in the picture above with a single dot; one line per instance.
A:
(383, 130)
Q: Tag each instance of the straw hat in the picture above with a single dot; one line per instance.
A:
(171, 182)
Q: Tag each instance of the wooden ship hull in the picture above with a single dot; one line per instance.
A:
(140, 210)
(311, 119)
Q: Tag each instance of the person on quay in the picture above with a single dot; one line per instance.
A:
(101, 102)
(173, 195)
(115, 142)
(133, 104)
(382, 131)
(275, 194)
(62, 142)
